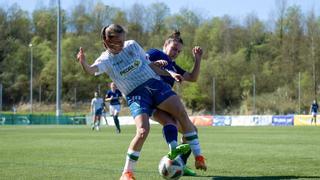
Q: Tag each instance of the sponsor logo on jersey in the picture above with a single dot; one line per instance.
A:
(130, 68)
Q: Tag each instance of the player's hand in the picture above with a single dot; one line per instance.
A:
(197, 53)
(80, 56)
(160, 63)
(176, 76)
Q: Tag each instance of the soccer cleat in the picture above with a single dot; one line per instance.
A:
(180, 149)
(188, 172)
(127, 176)
(200, 163)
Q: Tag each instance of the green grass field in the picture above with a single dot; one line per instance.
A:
(76, 152)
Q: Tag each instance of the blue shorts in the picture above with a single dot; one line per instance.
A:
(98, 112)
(146, 97)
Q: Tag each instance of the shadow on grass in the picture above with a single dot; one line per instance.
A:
(260, 177)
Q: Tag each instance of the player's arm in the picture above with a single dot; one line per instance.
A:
(91, 106)
(162, 72)
(85, 66)
(121, 98)
(107, 98)
(194, 74)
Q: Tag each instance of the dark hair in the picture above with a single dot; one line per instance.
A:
(111, 31)
(175, 36)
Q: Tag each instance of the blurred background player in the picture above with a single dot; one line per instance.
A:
(166, 59)
(97, 105)
(113, 96)
(314, 111)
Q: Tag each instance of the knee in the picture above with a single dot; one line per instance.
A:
(143, 132)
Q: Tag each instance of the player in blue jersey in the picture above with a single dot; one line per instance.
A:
(314, 111)
(166, 59)
(113, 96)
(126, 64)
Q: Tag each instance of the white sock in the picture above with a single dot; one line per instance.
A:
(193, 141)
(131, 160)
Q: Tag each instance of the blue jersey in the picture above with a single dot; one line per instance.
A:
(314, 107)
(116, 95)
(155, 54)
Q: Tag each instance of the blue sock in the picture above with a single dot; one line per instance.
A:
(170, 133)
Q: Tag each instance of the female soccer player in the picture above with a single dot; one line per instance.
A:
(113, 96)
(171, 49)
(97, 105)
(125, 63)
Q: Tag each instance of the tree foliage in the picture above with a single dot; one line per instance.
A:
(273, 64)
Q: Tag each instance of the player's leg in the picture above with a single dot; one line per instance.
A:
(142, 131)
(115, 117)
(187, 171)
(98, 117)
(174, 106)
(140, 104)
(104, 114)
(312, 119)
(113, 113)
(170, 133)
(94, 121)
(98, 122)
(169, 102)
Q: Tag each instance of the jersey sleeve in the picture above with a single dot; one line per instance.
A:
(99, 63)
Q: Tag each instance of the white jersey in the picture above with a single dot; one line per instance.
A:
(96, 103)
(128, 69)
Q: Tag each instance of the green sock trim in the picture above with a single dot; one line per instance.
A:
(133, 157)
(190, 138)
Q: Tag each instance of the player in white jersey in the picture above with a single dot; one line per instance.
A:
(97, 105)
(125, 63)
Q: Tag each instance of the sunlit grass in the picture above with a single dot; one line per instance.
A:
(76, 152)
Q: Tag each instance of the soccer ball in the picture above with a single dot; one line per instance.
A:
(171, 169)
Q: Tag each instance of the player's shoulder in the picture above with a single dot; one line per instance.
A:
(153, 51)
(156, 54)
(130, 43)
(103, 56)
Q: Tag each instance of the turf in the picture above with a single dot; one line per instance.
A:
(76, 152)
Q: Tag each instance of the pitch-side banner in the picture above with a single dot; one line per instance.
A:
(282, 120)
(222, 120)
(303, 120)
(254, 120)
(205, 120)
(251, 120)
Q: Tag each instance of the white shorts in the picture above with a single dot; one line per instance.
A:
(314, 113)
(114, 109)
